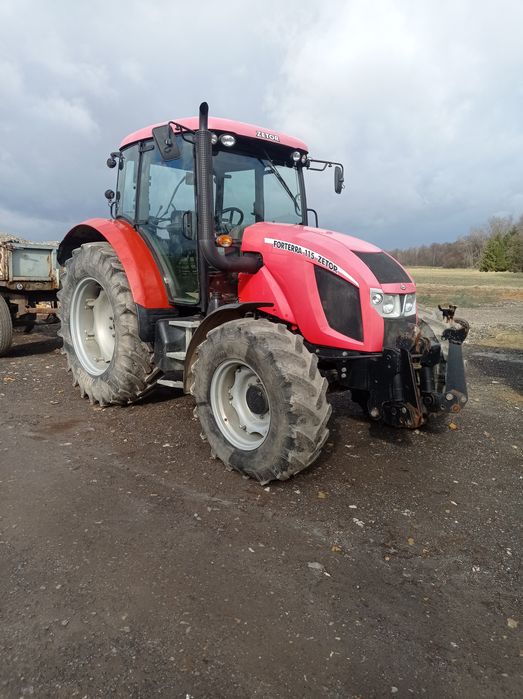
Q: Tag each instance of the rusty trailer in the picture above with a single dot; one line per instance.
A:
(29, 280)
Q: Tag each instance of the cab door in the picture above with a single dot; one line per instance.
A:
(166, 217)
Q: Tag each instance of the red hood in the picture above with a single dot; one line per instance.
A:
(287, 280)
(332, 250)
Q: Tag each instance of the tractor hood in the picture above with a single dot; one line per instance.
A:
(311, 273)
(351, 258)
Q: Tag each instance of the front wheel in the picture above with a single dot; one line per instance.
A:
(261, 399)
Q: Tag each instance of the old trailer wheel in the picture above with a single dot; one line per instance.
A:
(99, 327)
(261, 399)
(6, 327)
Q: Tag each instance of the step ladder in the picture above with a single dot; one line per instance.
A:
(179, 356)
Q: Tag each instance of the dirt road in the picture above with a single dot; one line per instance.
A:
(133, 565)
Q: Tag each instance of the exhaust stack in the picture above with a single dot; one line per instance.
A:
(206, 234)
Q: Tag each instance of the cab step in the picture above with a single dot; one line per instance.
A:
(173, 337)
(169, 383)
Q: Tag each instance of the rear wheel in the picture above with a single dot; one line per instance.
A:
(6, 327)
(99, 327)
(261, 399)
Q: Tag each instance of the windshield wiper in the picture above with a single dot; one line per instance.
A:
(282, 182)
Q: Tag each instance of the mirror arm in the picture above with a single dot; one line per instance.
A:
(313, 211)
(325, 163)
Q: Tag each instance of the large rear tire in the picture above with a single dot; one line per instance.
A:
(6, 327)
(109, 362)
(261, 399)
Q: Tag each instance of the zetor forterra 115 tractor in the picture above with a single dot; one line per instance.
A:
(210, 278)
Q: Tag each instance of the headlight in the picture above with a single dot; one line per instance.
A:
(410, 304)
(393, 305)
(388, 304)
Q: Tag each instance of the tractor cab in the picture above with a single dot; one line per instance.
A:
(257, 176)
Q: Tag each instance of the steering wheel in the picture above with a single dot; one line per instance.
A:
(231, 210)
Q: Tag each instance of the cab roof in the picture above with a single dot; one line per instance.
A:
(216, 124)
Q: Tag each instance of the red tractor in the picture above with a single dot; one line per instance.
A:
(209, 278)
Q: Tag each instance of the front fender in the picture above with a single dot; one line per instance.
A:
(223, 314)
(145, 279)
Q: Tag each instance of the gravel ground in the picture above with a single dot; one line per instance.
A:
(134, 565)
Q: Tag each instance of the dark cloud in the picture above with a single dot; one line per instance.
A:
(422, 101)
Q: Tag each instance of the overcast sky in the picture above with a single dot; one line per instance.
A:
(421, 100)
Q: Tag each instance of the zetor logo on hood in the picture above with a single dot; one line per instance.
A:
(268, 136)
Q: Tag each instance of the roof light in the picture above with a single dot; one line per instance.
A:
(214, 138)
(296, 156)
(228, 140)
(304, 159)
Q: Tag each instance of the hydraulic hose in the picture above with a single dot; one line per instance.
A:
(206, 236)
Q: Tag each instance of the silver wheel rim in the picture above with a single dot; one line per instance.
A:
(92, 326)
(236, 393)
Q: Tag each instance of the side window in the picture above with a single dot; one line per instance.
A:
(127, 179)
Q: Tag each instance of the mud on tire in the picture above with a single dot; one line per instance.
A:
(295, 390)
(128, 373)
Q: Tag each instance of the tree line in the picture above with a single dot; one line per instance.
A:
(496, 246)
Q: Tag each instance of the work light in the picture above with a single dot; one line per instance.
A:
(228, 140)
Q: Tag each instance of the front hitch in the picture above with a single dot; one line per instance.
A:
(414, 378)
(456, 396)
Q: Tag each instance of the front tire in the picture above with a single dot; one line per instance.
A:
(261, 399)
(99, 327)
(6, 327)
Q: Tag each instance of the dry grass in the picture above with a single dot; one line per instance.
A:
(503, 339)
(466, 288)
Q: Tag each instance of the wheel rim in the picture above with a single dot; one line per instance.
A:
(240, 405)
(92, 326)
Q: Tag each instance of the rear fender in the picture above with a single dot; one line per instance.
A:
(145, 279)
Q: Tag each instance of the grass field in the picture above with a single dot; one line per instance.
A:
(467, 288)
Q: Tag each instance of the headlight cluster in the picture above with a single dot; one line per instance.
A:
(393, 305)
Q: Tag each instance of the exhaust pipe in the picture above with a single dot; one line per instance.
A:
(206, 235)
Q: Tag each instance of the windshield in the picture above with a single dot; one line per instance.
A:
(251, 188)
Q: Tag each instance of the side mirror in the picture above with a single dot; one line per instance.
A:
(165, 140)
(338, 179)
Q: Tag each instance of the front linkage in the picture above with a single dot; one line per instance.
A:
(403, 384)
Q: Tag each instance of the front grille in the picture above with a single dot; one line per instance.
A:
(383, 267)
(394, 327)
(340, 301)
